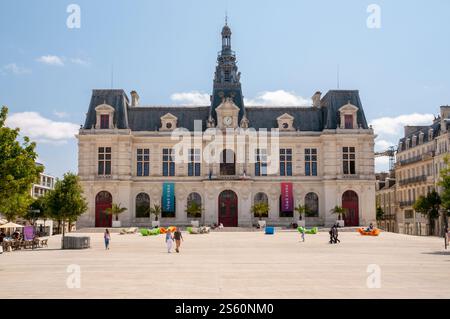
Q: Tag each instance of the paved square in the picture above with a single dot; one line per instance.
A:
(233, 265)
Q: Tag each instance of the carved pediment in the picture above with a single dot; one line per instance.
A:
(286, 122)
(168, 122)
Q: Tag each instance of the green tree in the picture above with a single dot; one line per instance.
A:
(429, 206)
(302, 209)
(66, 202)
(18, 170)
(380, 213)
(115, 210)
(155, 210)
(194, 209)
(17, 205)
(36, 210)
(260, 210)
(340, 211)
(444, 183)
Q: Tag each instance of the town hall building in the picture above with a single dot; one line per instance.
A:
(319, 156)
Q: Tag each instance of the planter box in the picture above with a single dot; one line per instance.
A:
(116, 223)
(155, 223)
(262, 223)
(341, 222)
(195, 223)
(301, 223)
(72, 242)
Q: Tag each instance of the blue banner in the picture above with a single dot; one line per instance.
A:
(168, 197)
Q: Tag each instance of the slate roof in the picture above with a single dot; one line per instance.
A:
(334, 100)
(141, 118)
(305, 118)
(415, 130)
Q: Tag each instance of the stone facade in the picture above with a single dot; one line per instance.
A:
(324, 151)
(420, 158)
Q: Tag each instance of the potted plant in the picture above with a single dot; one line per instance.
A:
(194, 210)
(260, 210)
(301, 209)
(155, 210)
(340, 211)
(115, 210)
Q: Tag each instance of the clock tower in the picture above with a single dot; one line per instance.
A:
(227, 85)
(227, 114)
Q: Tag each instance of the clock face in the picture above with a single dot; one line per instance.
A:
(227, 120)
(285, 125)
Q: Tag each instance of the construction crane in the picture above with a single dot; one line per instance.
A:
(390, 152)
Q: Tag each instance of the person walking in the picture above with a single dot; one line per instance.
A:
(107, 237)
(302, 232)
(169, 241)
(446, 236)
(178, 237)
(335, 234)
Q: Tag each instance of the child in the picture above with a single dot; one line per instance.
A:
(302, 232)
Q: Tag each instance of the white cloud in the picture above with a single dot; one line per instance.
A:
(80, 61)
(15, 69)
(389, 130)
(278, 98)
(51, 60)
(41, 129)
(267, 98)
(191, 98)
(61, 115)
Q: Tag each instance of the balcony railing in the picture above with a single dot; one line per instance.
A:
(416, 159)
(406, 203)
(412, 180)
(411, 160)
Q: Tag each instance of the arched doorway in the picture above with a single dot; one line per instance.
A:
(228, 208)
(227, 162)
(103, 200)
(350, 202)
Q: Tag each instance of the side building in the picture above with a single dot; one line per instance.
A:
(419, 160)
(386, 200)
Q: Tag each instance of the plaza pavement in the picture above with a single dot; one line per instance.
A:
(233, 265)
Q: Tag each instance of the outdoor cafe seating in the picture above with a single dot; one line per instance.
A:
(18, 241)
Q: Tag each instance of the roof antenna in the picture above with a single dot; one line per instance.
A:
(226, 17)
(337, 76)
(112, 76)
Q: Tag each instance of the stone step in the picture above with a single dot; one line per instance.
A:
(225, 229)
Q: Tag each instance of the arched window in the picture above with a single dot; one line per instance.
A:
(261, 198)
(142, 205)
(194, 205)
(312, 203)
(227, 162)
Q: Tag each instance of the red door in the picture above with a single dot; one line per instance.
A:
(350, 202)
(228, 209)
(103, 201)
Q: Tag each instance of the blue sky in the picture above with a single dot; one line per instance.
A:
(161, 48)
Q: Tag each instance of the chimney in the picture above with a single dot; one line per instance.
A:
(445, 115)
(316, 99)
(134, 98)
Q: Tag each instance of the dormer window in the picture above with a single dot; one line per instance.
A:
(168, 122)
(348, 116)
(286, 122)
(348, 121)
(105, 115)
(104, 121)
